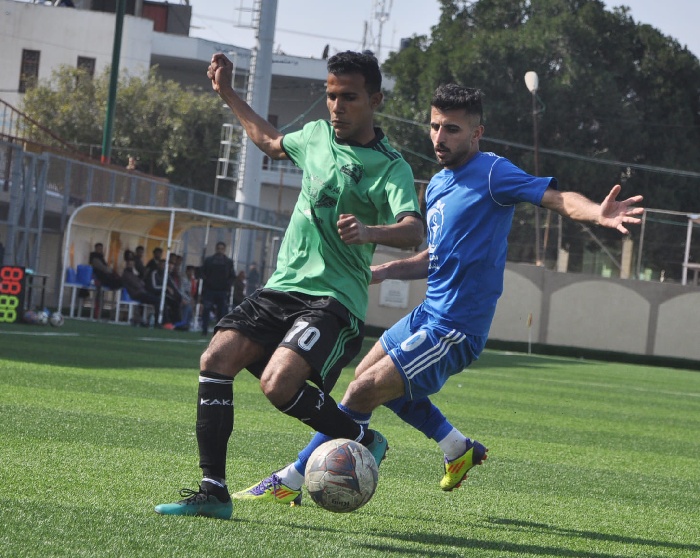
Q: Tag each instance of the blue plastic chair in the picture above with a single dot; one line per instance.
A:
(71, 276)
(84, 275)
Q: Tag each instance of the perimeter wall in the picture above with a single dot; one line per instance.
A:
(589, 312)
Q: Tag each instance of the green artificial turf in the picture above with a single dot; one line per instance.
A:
(587, 459)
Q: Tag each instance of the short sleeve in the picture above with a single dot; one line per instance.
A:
(294, 143)
(510, 185)
(400, 192)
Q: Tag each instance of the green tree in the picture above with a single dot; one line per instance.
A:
(171, 131)
(609, 90)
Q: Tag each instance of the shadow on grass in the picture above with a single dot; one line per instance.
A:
(441, 545)
(531, 526)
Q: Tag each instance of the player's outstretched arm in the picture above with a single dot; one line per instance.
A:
(415, 267)
(260, 131)
(610, 213)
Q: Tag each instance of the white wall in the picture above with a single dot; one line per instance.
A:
(63, 34)
(577, 310)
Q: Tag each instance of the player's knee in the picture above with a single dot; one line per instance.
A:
(223, 355)
(275, 387)
(207, 359)
(214, 355)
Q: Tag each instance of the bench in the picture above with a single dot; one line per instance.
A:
(124, 303)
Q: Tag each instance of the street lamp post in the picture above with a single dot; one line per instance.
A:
(532, 83)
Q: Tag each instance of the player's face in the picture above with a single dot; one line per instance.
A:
(455, 136)
(351, 107)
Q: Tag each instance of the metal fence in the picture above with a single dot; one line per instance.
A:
(40, 190)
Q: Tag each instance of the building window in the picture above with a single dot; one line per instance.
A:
(87, 64)
(29, 72)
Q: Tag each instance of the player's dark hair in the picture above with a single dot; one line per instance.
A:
(363, 63)
(451, 96)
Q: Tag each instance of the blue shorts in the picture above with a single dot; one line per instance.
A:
(426, 353)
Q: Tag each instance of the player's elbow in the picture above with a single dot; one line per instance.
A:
(414, 234)
(416, 240)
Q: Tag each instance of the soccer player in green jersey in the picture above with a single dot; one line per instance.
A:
(298, 332)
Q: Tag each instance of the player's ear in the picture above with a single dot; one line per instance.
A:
(376, 99)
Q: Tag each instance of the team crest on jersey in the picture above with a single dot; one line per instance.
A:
(436, 219)
(355, 172)
(325, 201)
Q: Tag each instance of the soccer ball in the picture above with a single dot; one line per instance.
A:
(56, 319)
(341, 475)
(42, 317)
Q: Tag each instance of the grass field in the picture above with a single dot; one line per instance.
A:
(587, 459)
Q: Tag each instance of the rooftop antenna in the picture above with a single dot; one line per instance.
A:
(381, 10)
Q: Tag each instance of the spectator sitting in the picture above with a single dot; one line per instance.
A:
(134, 285)
(139, 266)
(104, 275)
(177, 269)
(186, 306)
(152, 264)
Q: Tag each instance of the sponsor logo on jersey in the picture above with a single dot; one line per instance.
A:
(325, 201)
(436, 219)
(353, 171)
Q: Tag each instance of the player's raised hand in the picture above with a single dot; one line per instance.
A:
(352, 230)
(220, 72)
(615, 214)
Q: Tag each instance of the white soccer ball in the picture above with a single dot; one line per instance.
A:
(341, 475)
(42, 317)
(56, 319)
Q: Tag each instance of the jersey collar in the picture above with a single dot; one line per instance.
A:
(378, 137)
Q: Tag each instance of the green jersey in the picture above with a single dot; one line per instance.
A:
(372, 182)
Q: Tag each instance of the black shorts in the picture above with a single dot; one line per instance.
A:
(318, 328)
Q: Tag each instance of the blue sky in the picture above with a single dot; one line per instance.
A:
(304, 27)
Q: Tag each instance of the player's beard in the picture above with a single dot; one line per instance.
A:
(446, 158)
(451, 159)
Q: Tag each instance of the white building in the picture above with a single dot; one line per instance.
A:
(37, 38)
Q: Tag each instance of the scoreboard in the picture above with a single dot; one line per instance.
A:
(13, 282)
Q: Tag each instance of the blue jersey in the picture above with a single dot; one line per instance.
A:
(469, 213)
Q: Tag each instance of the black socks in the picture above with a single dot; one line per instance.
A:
(318, 410)
(214, 422)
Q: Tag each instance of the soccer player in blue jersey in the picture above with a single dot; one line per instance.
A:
(470, 206)
(298, 332)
